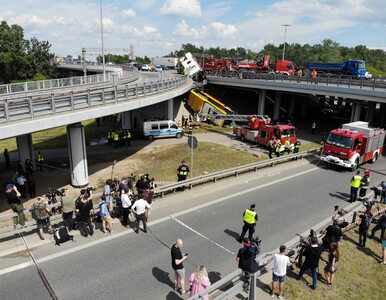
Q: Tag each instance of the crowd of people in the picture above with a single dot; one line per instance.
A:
(119, 137)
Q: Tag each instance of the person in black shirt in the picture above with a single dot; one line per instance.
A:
(178, 266)
(246, 257)
(366, 218)
(13, 199)
(7, 159)
(85, 209)
(312, 254)
(381, 224)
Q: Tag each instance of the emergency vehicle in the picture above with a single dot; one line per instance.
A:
(353, 144)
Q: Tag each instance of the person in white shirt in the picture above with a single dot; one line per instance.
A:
(139, 208)
(279, 271)
(126, 204)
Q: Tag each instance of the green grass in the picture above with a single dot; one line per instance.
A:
(57, 137)
(360, 276)
(162, 162)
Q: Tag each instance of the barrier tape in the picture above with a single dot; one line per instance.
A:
(200, 234)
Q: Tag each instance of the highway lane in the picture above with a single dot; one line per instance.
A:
(138, 266)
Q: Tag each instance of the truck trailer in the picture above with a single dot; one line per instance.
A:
(353, 144)
(355, 68)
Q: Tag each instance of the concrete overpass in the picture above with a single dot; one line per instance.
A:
(24, 114)
(355, 90)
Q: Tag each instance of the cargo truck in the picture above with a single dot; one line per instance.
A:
(356, 68)
(353, 144)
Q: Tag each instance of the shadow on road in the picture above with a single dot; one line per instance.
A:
(341, 196)
(173, 296)
(163, 277)
(231, 233)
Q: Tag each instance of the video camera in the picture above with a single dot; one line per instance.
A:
(369, 204)
(51, 195)
(89, 188)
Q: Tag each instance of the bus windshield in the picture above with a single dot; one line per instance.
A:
(361, 65)
(339, 141)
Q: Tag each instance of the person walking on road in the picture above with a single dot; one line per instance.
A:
(312, 256)
(178, 266)
(13, 199)
(355, 184)
(199, 281)
(250, 219)
(7, 159)
(279, 271)
(364, 185)
(139, 208)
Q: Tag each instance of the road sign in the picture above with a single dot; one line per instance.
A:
(192, 142)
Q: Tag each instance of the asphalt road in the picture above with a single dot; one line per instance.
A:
(289, 200)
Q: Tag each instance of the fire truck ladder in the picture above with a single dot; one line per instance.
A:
(237, 118)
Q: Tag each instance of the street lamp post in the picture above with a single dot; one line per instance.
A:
(285, 38)
(103, 50)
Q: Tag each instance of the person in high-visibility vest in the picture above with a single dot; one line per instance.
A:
(278, 148)
(110, 137)
(182, 172)
(128, 137)
(115, 139)
(250, 219)
(355, 184)
(313, 127)
(297, 146)
(365, 183)
(40, 160)
(287, 146)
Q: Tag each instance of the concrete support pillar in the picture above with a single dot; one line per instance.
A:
(370, 112)
(170, 110)
(77, 155)
(356, 111)
(25, 147)
(276, 108)
(303, 107)
(126, 120)
(292, 106)
(382, 114)
(261, 107)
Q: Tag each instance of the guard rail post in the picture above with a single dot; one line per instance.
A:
(6, 111)
(25, 87)
(103, 96)
(136, 90)
(328, 80)
(144, 89)
(72, 100)
(31, 108)
(53, 103)
(115, 95)
(252, 287)
(374, 83)
(88, 98)
(338, 83)
(127, 92)
(361, 85)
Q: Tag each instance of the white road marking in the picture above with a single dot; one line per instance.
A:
(123, 233)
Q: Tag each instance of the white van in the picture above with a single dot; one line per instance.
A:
(160, 129)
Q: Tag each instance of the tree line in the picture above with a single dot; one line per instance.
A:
(22, 59)
(326, 51)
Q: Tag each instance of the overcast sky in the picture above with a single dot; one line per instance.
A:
(156, 27)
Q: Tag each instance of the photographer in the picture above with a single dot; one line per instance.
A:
(312, 254)
(68, 209)
(333, 234)
(338, 217)
(85, 210)
(366, 219)
(381, 224)
(41, 211)
(246, 257)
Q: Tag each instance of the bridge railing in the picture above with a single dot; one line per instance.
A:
(30, 86)
(32, 106)
(343, 81)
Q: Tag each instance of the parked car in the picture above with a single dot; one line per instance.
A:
(158, 68)
(145, 68)
(368, 75)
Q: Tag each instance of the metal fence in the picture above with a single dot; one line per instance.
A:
(40, 105)
(340, 81)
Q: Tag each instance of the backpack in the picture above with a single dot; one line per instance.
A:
(61, 236)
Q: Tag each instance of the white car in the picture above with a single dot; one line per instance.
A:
(145, 68)
(368, 75)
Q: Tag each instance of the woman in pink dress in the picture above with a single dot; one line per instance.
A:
(199, 281)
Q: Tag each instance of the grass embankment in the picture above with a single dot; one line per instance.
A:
(57, 137)
(360, 275)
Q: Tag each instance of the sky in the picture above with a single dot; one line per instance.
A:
(157, 27)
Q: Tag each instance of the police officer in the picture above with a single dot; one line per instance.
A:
(40, 160)
(128, 137)
(296, 149)
(278, 148)
(287, 146)
(365, 182)
(250, 219)
(115, 139)
(182, 172)
(110, 137)
(313, 127)
(355, 184)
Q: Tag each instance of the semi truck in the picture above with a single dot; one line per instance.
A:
(355, 68)
(353, 144)
(169, 62)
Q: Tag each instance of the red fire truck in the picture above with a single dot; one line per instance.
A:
(353, 144)
(260, 131)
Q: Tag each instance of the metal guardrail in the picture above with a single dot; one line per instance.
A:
(232, 172)
(235, 280)
(197, 180)
(36, 106)
(43, 85)
(341, 81)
